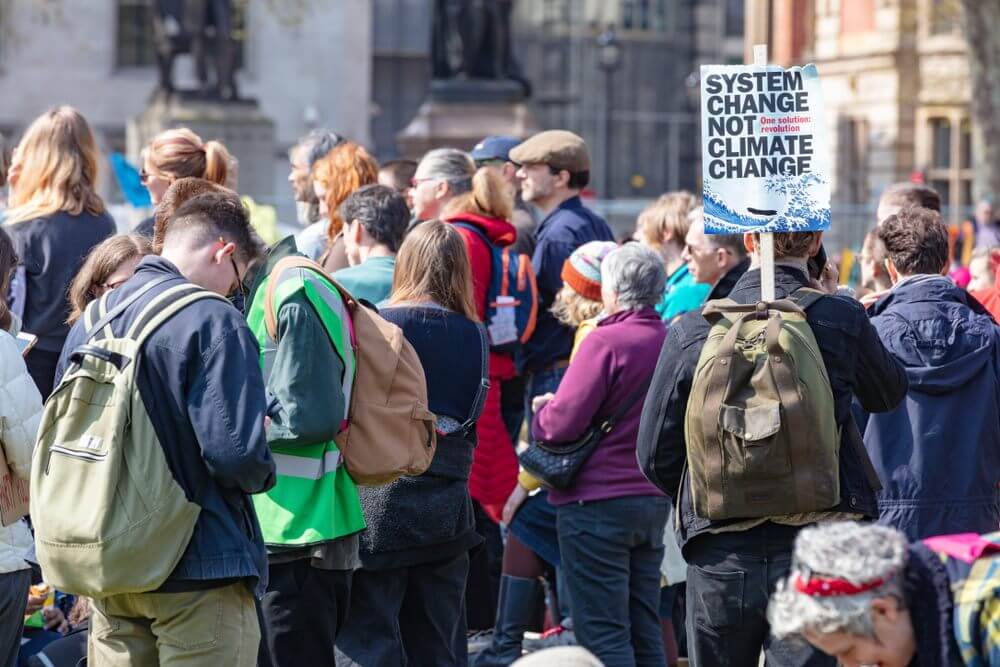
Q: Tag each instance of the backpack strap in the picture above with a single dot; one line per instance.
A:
(804, 297)
(299, 262)
(107, 318)
(164, 306)
(484, 385)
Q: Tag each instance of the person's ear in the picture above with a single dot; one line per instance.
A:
(816, 243)
(223, 252)
(887, 609)
(749, 242)
(562, 178)
(891, 269)
(356, 231)
(442, 189)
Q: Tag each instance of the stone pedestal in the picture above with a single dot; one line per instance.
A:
(460, 113)
(240, 125)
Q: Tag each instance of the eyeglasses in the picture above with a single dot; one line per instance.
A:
(236, 271)
(414, 182)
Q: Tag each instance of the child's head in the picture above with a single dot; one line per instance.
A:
(580, 297)
(108, 265)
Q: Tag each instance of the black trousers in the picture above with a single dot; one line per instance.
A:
(302, 613)
(407, 616)
(730, 579)
(483, 587)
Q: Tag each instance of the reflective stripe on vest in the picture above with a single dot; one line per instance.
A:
(305, 467)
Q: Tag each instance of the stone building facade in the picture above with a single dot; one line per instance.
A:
(307, 63)
(896, 91)
(638, 116)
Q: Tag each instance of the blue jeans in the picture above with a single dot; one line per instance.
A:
(611, 552)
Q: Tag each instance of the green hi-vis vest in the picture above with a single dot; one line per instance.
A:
(314, 499)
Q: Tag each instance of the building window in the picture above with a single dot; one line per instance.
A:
(135, 34)
(734, 18)
(944, 18)
(134, 47)
(645, 15)
(940, 143)
(948, 154)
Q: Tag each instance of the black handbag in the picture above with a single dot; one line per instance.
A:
(556, 465)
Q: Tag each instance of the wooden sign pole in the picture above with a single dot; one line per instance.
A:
(766, 249)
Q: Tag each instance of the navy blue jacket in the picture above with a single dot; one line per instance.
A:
(856, 362)
(564, 230)
(938, 454)
(200, 381)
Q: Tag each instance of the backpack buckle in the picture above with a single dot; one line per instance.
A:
(761, 313)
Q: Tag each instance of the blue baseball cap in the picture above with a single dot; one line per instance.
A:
(494, 148)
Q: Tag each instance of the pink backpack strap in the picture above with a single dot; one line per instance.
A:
(966, 547)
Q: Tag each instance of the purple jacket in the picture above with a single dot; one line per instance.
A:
(611, 362)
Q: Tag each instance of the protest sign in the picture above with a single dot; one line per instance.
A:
(13, 490)
(765, 164)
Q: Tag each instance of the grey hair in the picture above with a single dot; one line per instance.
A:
(318, 143)
(451, 165)
(636, 274)
(858, 553)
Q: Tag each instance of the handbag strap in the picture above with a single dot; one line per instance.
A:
(610, 422)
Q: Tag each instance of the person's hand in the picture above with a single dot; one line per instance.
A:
(540, 402)
(514, 502)
(35, 602)
(55, 620)
(868, 299)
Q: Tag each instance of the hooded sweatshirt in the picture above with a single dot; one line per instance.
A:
(938, 452)
(494, 465)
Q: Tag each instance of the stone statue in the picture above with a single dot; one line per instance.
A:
(204, 29)
(470, 39)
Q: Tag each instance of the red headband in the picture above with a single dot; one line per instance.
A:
(822, 587)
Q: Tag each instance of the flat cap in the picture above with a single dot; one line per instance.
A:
(559, 149)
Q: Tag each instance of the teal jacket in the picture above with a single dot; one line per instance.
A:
(681, 295)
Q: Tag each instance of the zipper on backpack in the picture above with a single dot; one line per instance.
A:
(73, 454)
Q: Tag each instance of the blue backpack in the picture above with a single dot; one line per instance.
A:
(512, 297)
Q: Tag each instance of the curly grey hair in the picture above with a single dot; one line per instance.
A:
(636, 274)
(847, 550)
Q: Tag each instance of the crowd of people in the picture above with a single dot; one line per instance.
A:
(812, 481)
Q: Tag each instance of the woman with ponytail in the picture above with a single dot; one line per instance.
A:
(176, 154)
(55, 218)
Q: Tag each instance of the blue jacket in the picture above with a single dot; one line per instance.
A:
(201, 383)
(857, 363)
(938, 453)
(564, 230)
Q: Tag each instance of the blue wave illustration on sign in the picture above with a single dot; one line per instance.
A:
(799, 210)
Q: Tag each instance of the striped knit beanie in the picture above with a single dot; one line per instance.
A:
(582, 271)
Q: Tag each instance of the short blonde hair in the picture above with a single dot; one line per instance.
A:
(573, 309)
(55, 165)
(667, 215)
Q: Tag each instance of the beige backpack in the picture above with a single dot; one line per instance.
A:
(390, 432)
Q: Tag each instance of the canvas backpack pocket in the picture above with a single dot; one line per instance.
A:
(751, 438)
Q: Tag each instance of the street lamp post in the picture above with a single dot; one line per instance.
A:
(609, 58)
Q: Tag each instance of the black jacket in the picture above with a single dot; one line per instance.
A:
(51, 250)
(856, 361)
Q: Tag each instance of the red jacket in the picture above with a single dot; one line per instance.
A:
(494, 464)
(990, 297)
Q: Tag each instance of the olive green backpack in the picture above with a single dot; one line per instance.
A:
(109, 517)
(762, 438)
